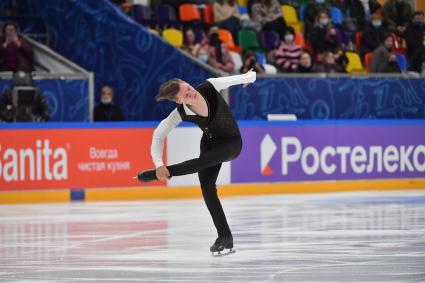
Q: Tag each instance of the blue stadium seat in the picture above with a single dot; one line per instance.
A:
(336, 16)
(402, 62)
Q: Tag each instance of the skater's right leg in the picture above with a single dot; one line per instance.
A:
(213, 152)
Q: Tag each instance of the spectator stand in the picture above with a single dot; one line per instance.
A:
(68, 88)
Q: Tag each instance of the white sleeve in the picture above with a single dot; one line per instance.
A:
(225, 82)
(163, 129)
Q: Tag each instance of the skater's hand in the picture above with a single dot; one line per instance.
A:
(162, 173)
(250, 70)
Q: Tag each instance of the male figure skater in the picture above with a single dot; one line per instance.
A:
(221, 140)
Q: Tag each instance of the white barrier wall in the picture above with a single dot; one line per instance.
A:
(182, 145)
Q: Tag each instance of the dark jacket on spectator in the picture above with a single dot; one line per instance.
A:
(418, 60)
(381, 63)
(323, 67)
(13, 56)
(357, 11)
(321, 39)
(397, 13)
(107, 112)
(414, 36)
(371, 38)
(310, 13)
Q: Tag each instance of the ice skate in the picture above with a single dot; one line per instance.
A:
(147, 176)
(217, 249)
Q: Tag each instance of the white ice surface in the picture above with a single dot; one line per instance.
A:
(343, 237)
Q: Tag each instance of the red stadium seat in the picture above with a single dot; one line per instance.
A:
(189, 12)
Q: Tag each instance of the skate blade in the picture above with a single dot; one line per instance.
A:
(222, 253)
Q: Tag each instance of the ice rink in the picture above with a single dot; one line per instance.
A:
(349, 237)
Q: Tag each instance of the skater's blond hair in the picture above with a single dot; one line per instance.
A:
(168, 90)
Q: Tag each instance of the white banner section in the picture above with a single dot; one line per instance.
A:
(183, 144)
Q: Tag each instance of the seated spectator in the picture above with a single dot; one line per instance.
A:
(306, 64)
(328, 64)
(218, 54)
(418, 60)
(383, 58)
(106, 111)
(189, 42)
(373, 34)
(341, 58)
(269, 14)
(15, 51)
(287, 55)
(250, 62)
(414, 35)
(311, 12)
(226, 15)
(22, 101)
(360, 10)
(325, 36)
(397, 14)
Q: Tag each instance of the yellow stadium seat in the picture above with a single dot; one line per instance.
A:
(173, 36)
(243, 2)
(291, 18)
(354, 63)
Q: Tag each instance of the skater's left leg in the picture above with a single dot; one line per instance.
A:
(208, 178)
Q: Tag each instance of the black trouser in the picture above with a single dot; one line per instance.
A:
(214, 152)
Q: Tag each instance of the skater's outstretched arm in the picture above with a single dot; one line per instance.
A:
(225, 82)
(157, 146)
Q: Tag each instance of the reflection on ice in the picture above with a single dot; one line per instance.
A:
(366, 236)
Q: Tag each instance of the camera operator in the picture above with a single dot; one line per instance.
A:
(22, 101)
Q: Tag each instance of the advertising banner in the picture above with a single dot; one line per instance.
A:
(73, 157)
(297, 151)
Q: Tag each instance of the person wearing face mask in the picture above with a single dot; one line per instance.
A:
(414, 36)
(106, 111)
(15, 51)
(383, 58)
(287, 55)
(359, 10)
(311, 12)
(373, 35)
(325, 36)
(218, 54)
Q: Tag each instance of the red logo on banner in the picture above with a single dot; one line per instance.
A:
(73, 158)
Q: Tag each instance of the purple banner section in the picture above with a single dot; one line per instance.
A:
(298, 151)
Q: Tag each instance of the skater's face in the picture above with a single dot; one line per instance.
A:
(186, 94)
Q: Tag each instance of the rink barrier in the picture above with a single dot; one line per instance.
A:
(194, 192)
(268, 163)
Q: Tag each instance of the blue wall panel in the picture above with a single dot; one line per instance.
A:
(336, 98)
